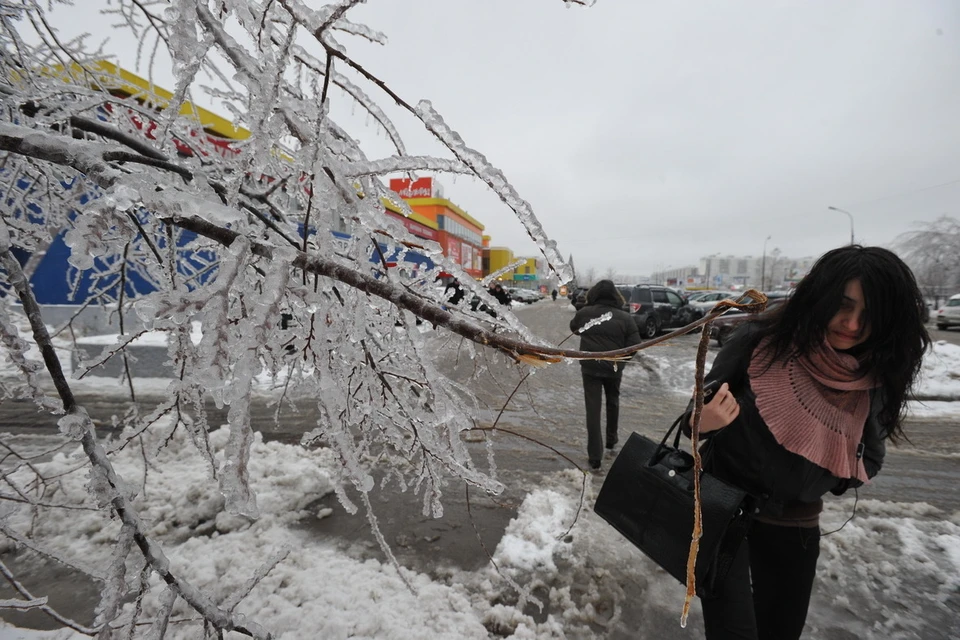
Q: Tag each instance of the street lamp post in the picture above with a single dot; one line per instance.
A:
(763, 266)
(849, 215)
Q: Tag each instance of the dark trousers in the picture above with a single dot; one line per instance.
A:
(594, 388)
(767, 592)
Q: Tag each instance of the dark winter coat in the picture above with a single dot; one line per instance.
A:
(457, 293)
(746, 454)
(616, 333)
(501, 295)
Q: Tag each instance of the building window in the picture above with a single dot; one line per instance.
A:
(451, 226)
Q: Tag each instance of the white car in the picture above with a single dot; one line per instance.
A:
(524, 295)
(949, 313)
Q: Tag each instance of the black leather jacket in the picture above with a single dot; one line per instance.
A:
(618, 332)
(746, 454)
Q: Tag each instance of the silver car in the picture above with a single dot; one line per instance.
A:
(708, 301)
(949, 313)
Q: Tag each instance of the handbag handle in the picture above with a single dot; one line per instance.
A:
(662, 448)
(676, 440)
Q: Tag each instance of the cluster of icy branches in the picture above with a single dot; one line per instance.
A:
(231, 240)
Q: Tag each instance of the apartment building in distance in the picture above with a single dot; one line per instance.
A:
(773, 271)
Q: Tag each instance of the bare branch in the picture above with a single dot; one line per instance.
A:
(80, 424)
(39, 603)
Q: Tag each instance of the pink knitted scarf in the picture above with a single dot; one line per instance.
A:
(815, 405)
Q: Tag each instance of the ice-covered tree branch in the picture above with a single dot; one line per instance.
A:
(258, 245)
(94, 158)
(107, 486)
(30, 602)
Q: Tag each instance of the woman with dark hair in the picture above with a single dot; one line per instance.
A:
(810, 392)
(602, 377)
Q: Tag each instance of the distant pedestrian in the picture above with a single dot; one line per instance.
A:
(601, 377)
(498, 292)
(553, 294)
(454, 291)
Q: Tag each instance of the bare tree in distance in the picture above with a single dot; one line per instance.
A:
(589, 277)
(573, 269)
(773, 263)
(932, 250)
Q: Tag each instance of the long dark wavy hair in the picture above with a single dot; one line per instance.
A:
(894, 310)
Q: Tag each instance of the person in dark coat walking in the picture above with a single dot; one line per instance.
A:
(601, 377)
(454, 291)
(498, 292)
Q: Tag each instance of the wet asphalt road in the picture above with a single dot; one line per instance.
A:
(546, 406)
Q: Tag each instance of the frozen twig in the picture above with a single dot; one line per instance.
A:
(30, 602)
(104, 481)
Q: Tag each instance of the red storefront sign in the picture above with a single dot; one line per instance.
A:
(414, 227)
(419, 188)
(200, 138)
(462, 253)
(453, 249)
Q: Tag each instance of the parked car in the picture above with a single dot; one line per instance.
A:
(524, 295)
(693, 296)
(655, 308)
(722, 327)
(949, 314)
(626, 290)
(706, 301)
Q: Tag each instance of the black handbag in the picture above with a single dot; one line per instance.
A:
(648, 497)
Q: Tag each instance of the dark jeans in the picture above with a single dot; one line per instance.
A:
(594, 389)
(782, 563)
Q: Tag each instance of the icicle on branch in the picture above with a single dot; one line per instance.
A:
(104, 480)
(92, 158)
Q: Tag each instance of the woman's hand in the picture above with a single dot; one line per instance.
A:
(722, 409)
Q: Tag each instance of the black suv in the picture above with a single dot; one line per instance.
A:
(655, 308)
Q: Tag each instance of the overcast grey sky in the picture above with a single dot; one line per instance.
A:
(649, 134)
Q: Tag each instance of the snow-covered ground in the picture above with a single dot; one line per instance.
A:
(891, 573)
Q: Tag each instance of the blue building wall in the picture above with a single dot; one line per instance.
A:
(56, 282)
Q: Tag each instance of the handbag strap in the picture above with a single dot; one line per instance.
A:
(663, 443)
